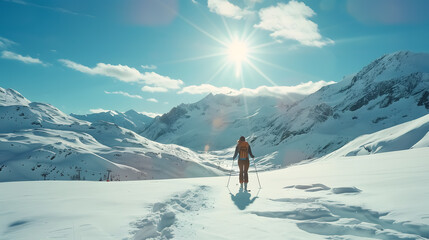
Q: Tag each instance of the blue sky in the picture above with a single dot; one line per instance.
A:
(152, 55)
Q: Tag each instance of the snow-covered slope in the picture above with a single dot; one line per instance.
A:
(377, 196)
(217, 121)
(389, 91)
(412, 134)
(38, 141)
(130, 119)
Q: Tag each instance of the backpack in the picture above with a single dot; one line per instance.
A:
(243, 149)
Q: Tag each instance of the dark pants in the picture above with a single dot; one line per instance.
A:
(244, 167)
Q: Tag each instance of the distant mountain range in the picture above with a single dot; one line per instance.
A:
(391, 90)
(38, 141)
(383, 107)
(131, 119)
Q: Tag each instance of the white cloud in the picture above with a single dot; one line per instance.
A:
(126, 74)
(157, 80)
(207, 88)
(279, 91)
(152, 100)
(154, 89)
(227, 9)
(18, 57)
(98, 110)
(120, 72)
(194, 2)
(4, 42)
(290, 21)
(124, 94)
(275, 91)
(151, 67)
(151, 114)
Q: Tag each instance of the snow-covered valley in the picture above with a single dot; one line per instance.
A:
(38, 141)
(356, 157)
(381, 196)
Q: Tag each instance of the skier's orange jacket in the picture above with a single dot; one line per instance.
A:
(244, 150)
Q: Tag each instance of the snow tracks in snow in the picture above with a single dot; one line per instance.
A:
(169, 215)
(323, 217)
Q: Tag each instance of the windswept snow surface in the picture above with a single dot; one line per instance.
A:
(379, 196)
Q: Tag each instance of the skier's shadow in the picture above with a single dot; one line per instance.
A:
(242, 199)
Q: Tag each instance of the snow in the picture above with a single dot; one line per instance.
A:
(38, 141)
(388, 91)
(360, 197)
(356, 153)
(412, 134)
(10, 97)
(130, 119)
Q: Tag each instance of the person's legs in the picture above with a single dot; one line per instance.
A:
(246, 165)
(241, 164)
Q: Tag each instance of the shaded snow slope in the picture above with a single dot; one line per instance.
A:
(378, 196)
(412, 134)
(131, 119)
(38, 141)
(389, 91)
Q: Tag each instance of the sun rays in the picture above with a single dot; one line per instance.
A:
(236, 52)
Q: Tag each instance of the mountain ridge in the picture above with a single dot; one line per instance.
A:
(388, 91)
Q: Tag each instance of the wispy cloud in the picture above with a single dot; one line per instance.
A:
(126, 74)
(277, 91)
(24, 59)
(157, 80)
(151, 114)
(120, 72)
(4, 42)
(56, 9)
(154, 89)
(227, 9)
(124, 94)
(194, 1)
(291, 21)
(150, 67)
(152, 100)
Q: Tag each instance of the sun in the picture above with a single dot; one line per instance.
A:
(237, 52)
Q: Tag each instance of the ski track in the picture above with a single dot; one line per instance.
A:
(323, 217)
(166, 216)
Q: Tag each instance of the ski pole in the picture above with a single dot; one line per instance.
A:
(230, 172)
(254, 164)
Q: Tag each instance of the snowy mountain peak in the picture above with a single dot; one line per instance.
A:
(390, 90)
(131, 119)
(131, 112)
(393, 65)
(10, 97)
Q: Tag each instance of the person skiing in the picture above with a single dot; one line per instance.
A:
(243, 151)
